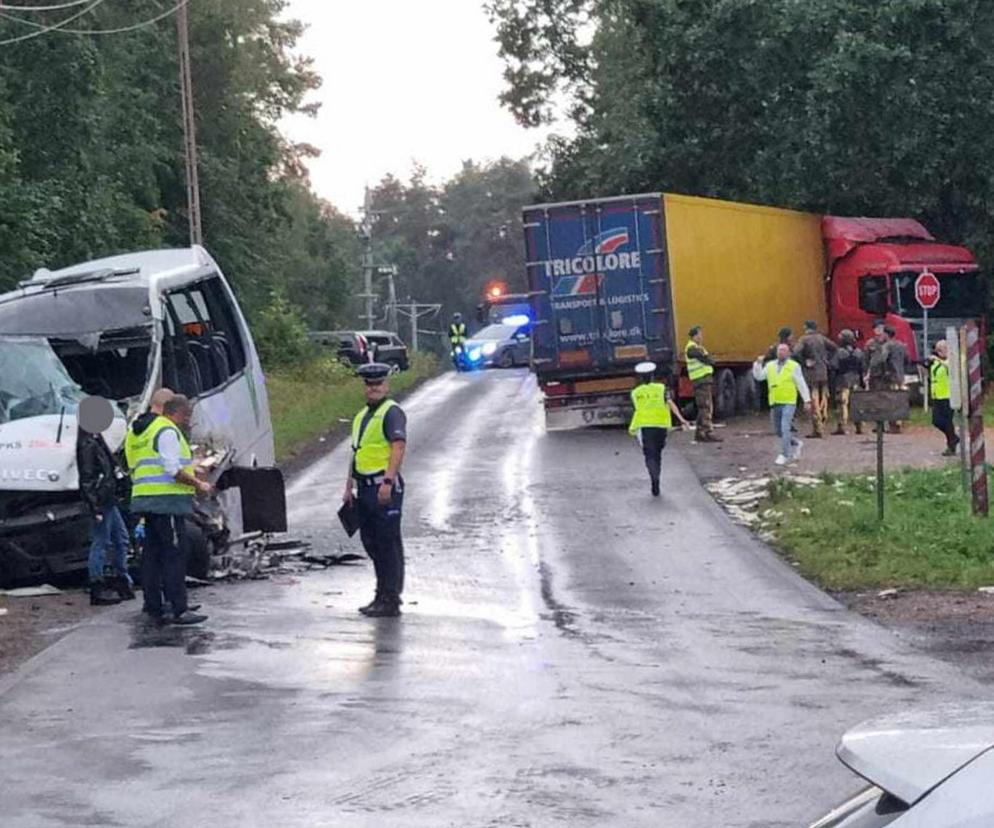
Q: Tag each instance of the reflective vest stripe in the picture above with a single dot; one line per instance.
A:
(372, 450)
(696, 369)
(154, 461)
(780, 384)
(939, 376)
(651, 407)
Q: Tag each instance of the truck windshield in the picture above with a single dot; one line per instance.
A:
(33, 381)
(962, 295)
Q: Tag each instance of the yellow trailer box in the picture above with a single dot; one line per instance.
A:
(742, 272)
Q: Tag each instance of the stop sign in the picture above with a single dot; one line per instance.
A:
(927, 290)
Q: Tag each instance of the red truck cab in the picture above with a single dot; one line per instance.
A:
(872, 267)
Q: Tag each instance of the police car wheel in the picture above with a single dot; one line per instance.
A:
(505, 360)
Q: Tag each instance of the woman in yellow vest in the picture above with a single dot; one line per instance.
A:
(942, 412)
(653, 416)
(784, 381)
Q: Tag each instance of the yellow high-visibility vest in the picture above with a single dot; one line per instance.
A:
(149, 477)
(939, 374)
(651, 408)
(372, 449)
(780, 384)
(696, 369)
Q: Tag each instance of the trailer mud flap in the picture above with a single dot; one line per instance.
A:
(583, 416)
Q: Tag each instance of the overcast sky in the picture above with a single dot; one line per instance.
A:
(404, 80)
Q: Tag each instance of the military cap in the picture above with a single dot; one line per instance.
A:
(373, 372)
(645, 368)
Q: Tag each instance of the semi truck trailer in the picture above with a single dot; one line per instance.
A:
(614, 281)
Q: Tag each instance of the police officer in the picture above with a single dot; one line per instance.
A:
(379, 439)
(942, 412)
(700, 370)
(457, 331)
(654, 412)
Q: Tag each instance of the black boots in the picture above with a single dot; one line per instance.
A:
(385, 606)
(122, 587)
(101, 595)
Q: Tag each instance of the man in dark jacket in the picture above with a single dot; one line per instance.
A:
(100, 476)
(849, 369)
(815, 352)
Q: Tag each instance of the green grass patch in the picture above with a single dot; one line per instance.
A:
(309, 400)
(928, 538)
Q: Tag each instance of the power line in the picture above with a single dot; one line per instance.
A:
(61, 27)
(53, 28)
(58, 7)
(144, 24)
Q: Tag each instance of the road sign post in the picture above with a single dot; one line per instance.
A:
(978, 458)
(928, 291)
(958, 396)
(879, 407)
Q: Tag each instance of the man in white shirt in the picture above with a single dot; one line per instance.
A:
(784, 381)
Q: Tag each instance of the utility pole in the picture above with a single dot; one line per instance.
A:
(366, 233)
(189, 126)
(413, 311)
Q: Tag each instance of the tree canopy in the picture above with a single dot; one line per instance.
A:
(91, 150)
(864, 107)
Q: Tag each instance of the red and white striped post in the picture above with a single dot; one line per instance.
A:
(978, 453)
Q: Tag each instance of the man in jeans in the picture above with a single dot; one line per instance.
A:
(784, 381)
(163, 489)
(100, 475)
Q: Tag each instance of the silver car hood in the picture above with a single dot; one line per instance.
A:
(908, 754)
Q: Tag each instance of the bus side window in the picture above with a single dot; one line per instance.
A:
(227, 338)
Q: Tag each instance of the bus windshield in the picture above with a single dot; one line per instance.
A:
(33, 380)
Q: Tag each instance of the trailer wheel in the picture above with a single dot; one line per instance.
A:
(747, 401)
(725, 394)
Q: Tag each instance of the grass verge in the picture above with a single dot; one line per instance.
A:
(309, 400)
(928, 539)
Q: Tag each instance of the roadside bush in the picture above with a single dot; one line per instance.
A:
(280, 334)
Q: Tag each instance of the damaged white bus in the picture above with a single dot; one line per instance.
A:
(121, 328)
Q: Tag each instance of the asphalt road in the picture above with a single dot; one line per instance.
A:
(572, 652)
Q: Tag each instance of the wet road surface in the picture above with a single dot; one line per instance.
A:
(572, 652)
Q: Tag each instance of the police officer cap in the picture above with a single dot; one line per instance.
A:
(645, 368)
(694, 331)
(374, 372)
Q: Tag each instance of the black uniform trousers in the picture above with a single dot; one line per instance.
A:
(379, 530)
(942, 419)
(653, 443)
(164, 562)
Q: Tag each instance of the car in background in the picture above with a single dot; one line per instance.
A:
(502, 345)
(925, 770)
(387, 347)
(350, 346)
